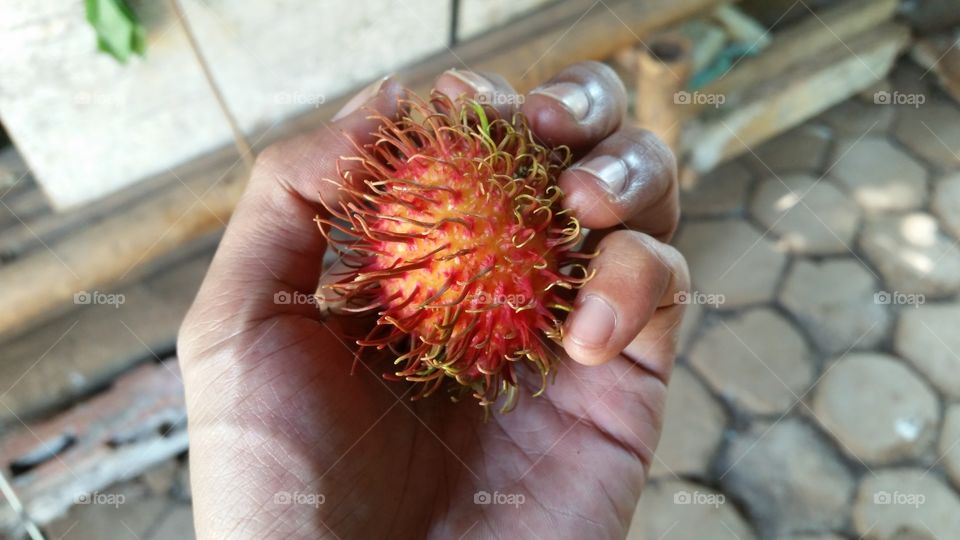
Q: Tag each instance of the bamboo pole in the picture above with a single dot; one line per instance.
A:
(663, 70)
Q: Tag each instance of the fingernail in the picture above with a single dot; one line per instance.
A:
(570, 95)
(480, 85)
(611, 171)
(361, 98)
(593, 323)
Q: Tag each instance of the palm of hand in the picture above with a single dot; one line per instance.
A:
(383, 466)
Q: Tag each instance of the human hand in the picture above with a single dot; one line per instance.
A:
(284, 442)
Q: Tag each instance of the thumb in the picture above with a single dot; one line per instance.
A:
(272, 244)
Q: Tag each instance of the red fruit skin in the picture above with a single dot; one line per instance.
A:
(458, 243)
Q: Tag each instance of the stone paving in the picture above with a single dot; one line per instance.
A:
(817, 389)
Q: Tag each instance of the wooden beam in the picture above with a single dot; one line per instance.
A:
(197, 199)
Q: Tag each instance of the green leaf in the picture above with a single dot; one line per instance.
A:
(484, 122)
(138, 42)
(119, 33)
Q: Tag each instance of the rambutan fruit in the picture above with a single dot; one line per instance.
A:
(457, 241)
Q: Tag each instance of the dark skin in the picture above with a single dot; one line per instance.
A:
(273, 409)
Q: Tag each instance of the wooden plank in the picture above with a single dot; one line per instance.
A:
(741, 27)
(777, 105)
(61, 361)
(808, 39)
(113, 248)
(206, 190)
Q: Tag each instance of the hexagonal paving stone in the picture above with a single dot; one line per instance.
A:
(731, 258)
(949, 449)
(800, 149)
(836, 301)
(912, 254)
(905, 503)
(692, 428)
(177, 524)
(810, 215)
(686, 511)
(878, 175)
(932, 131)
(946, 203)
(788, 477)
(854, 118)
(719, 192)
(894, 417)
(756, 360)
(928, 337)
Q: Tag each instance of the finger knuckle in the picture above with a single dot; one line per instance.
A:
(269, 158)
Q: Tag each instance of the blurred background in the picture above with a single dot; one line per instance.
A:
(817, 389)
